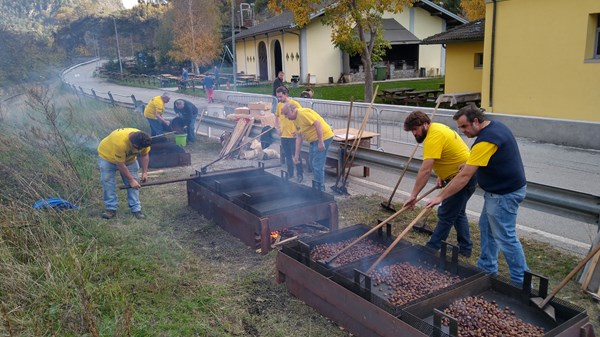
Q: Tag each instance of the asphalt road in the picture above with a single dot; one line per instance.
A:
(565, 167)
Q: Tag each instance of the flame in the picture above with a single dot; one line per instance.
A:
(275, 235)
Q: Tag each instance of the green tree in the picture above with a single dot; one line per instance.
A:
(195, 31)
(356, 26)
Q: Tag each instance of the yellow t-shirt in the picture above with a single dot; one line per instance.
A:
(155, 106)
(287, 126)
(481, 153)
(117, 148)
(304, 124)
(447, 148)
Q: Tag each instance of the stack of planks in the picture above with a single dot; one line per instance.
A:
(241, 130)
(590, 278)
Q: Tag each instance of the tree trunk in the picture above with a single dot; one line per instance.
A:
(367, 65)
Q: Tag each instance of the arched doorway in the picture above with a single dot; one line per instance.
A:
(277, 58)
(262, 62)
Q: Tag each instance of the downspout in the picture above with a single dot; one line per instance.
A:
(282, 51)
(491, 94)
(299, 35)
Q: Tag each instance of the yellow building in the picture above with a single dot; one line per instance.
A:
(308, 53)
(540, 58)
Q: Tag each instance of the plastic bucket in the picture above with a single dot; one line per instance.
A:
(181, 139)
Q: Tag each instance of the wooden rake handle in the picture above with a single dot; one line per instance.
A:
(568, 277)
(390, 218)
(387, 251)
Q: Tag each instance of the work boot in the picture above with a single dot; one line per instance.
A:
(139, 215)
(108, 214)
(299, 179)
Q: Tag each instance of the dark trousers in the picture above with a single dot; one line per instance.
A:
(289, 148)
(452, 213)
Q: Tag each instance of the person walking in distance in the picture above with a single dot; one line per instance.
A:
(276, 84)
(496, 161)
(189, 112)
(311, 127)
(119, 151)
(154, 114)
(209, 84)
(443, 153)
(216, 72)
(287, 134)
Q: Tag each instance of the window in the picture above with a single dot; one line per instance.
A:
(478, 63)
(597, 38)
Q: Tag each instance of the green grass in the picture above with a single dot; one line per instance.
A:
(336, 92)
(346, 92)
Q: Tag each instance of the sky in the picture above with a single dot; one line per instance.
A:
(129, 3)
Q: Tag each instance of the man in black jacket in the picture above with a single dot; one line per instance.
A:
(189, 112)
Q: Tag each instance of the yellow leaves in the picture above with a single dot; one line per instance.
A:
(195, 31)
(473, 9)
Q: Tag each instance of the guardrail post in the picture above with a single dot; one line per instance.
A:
(94, 93)
(80, 88)
(378, 124)
(134, 100)
(112, 100)
(74, 88)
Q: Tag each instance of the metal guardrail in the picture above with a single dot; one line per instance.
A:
(570, 204)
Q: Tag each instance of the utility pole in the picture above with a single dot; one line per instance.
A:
(118, 49)
(233, 63)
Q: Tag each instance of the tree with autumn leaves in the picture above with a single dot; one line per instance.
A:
(195, 31)
(356, 26)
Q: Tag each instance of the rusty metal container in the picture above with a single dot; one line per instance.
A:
(302, 250)
(168, 155)
(365, 319)
(571, 320)
(250, 203)
(353, 276)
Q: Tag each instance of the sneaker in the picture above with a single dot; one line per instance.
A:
(299, 179)
(139, 215)
(108, 214)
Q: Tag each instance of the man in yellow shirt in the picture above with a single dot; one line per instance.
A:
(310, 126)
(287, 133)
(154, 111)
(119, 152)
(495, 160)
(444, 152)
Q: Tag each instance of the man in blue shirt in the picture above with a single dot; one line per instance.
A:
(189, 112)
(496, 161)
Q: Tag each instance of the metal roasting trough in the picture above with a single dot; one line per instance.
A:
(353, 276)
(168, 155)
(366, 318)
(250, 204)
(302, 251)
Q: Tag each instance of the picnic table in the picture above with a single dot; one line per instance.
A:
(389, 95)
(246, 79)
(421, 96)
(460, 98)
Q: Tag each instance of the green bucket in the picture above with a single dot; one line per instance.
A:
(181, 139)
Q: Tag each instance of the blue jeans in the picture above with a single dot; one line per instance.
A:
(191, 131)
(497, 225)
(289, 149)
(109, 185)
(318, 161)
(451, 213)
(156, 127)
